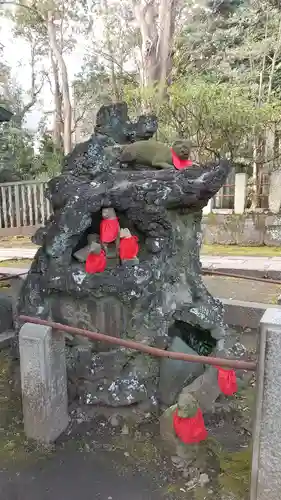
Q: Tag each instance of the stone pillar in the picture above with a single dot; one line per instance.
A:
(240, 194)
(274, 197)
(266, 461)
(209, 207)
(43, 382)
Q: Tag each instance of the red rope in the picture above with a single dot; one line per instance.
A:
(137, 346)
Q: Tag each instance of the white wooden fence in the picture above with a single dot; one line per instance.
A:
(23, 207)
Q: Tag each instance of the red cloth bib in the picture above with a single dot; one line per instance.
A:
(128, 248)
(180, 164)
(190, 430)
(96, 263)
(109, 229)
(227, 381)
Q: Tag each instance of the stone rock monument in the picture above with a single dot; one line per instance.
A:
(159, 299)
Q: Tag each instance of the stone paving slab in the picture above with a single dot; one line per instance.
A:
(232, 263)
(240, 289)
(17, 253)
(242, 263)
(14, 271)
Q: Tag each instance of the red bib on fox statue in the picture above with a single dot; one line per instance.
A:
(109, 226)
(227, 381)
(190, 430)
(178, 163)
(109, 229)
(128, 248)
(96, 262)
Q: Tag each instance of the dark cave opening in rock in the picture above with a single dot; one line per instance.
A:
(92, 229)
(174, 374)
(197, 338)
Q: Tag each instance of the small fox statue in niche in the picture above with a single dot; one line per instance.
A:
(128, 248)
(96, 260)
(109, 226)
(156, 154)
(82, 254)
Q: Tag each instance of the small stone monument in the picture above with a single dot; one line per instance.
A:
(266, 462)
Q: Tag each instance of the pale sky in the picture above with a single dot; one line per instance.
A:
(16, 54)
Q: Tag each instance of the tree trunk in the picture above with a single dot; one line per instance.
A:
(146, 15)
(269, 146)
(274, 61)
(110, 52)
(157, 28)
(58, 123)
(255, 197)
(167, 13)
(271, 132)
(67, 109)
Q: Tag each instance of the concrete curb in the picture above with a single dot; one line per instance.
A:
(14, 271)
(265, 267)
(237, 312)
(273, 274)
(245, 314)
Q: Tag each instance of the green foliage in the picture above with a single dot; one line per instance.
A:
(235, 47)
(138, 98)
(223, 7)
(219, 118)
(214, 116)
(16, 153)
(235, 469)
(93, 88)
(18, 160)
(224, 87)
(235, 473)
(48, 162)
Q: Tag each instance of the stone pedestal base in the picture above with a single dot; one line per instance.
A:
(43, 382)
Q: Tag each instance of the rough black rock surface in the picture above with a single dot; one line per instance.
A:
(5, 115)
(141, 302)
(6, 312)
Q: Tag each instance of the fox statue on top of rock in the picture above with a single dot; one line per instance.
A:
(151, 154)
(155, 154)
(145, 152)
(120, 255)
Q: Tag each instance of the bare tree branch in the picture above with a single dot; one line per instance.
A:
(79, 119)
(110, 58)
(32, 101)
